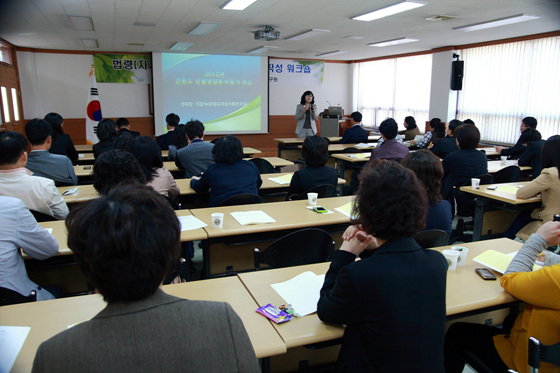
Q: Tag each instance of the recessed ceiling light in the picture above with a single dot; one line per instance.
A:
(181, 46)
(354, 37)
(389, 11)
(333, 53)
(497, 22)
(203, 29)
(90, 43)
(392, 42)
(81, 23)
(308, 34)
(237, 4)
(262, 50)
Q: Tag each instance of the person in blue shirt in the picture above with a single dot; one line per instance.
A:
(356, 133)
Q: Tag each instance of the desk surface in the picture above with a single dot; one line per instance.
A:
(87, 148)
(499, 195)
(81, 170)
(466, 291)
(353, 157)
(495, 166)
(48, 318)
(335, 139)
(288, 215)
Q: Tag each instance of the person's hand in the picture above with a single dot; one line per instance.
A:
(550, 231)
(499, 149)
(196, 177)
(305, 108)
(351, 231)
(356, 240)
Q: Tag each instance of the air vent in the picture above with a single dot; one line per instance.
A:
(440, 18)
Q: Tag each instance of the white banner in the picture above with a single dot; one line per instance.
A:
(295, 72)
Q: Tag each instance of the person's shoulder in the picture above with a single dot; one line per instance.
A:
(11, 202)
(552, 171)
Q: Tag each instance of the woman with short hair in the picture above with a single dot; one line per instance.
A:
(106, 133)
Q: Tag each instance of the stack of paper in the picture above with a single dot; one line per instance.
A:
(508, 189)
(11, 342)
(189, 223)
(359, 155)
(497, 261)
(252, 217)
(363, 145)
(346, 209)
(282, 180)
(302, 292)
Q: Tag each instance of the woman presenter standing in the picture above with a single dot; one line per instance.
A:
(306, 115)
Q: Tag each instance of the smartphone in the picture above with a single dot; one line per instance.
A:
(320, 210)
(87, 168)
(485, 273)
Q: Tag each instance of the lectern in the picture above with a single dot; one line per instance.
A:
(330, 122)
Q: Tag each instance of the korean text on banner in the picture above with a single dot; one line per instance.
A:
(123, 68)
(93, 115)
(296, 72)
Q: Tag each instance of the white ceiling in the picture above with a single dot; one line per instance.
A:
(44, 24)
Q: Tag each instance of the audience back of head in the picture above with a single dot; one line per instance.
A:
(12, 146)
(122, 122)
(468, 136)
(389, 128)
(37, 131)
(123, 141)
(315, 151)
(530, 122)
(172, 120)
(551, 153)
(116, 167)
(195, 129)
(227, 149)
(453, 124)
(106, 130)
(356, 116)
(410, 122)
(428, 169)
(55, 120)
(148, 153)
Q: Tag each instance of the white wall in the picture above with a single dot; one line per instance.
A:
(60, 83)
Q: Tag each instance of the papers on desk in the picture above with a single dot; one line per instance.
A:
(72, 192)
(363, 145)
(346, 209)
(497, 261)
(81, 155)
(508, 189)
(252, 217)
(302, 292)
(11, 342)
(359, 155)
(282, 180)
(189, 223)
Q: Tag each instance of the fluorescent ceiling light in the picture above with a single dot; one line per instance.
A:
(389, 11)
(203, 29)
(237, 4)
(180, 46)
(90, 43)
(262, 50)
(392, 42)
(81, 23)
(308, 34)
(333, 53)
(354, 37)
(497, 22)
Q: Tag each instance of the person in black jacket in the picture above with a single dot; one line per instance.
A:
(515, 151)
(532, 155)
(61, 143)
(449, 143)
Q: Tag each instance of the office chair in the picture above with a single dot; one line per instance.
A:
(8, 296)
(509, 174)
(432, 238)
(242, 199)
(539, 352)
(305, 246)
(323, 191)
(40, 217)
(263, 165)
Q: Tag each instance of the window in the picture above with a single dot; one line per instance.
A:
(504, 83)
(394, 88)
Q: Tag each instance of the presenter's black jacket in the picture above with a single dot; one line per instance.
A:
(393, 304)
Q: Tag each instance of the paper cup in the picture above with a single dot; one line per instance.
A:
(475, 183)
(503, 159)
(462, 254)
(217, 220)
(452, 257)
(312, 198)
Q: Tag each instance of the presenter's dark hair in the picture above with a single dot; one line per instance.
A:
(530, 122)
(37, 131)
(55, 121)
(227, 149)
(389, 128)
(453, 124)
(468, 136)
(106, 130)
(195, 129)
(428, 169)
(125, 243)
(306, 93)
(410, 122)
(172, 120)
(315, 151)
(391, 202)
(12, 146)
(116, 167)
(356, 116)
(148, 153)
(122, 122)
(551, 153)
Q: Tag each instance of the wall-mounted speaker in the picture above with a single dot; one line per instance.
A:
(457, 68)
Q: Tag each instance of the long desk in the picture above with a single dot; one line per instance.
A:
(466, 293)
(87, 148)
(48, 318)
(499, 198)
(286, 143)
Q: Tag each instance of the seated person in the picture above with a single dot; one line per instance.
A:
(38, 193)
(123, 141)
(148, 153)
(61, 143)
(548, 185)
(197, 156)
(356, 133)
(429, 171)
(41, 162)
(19, 230)
(464, 164)
(426, 140)
(106, 133)
(178, 141)
(519, 147)
(230, 175)
(501, 349)
(315, 151)
(394, 300)
(123, 126)
(448, 144)
(172, 121)
(532, 155)
(390, 148)
(412, 129)
(141, 328)
(116, 167)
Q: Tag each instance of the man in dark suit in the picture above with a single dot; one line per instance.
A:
(448, 144)
(142, 328)
(519, 147)
(532, 155)
(356, 133)
(123, 126)
(172, 121)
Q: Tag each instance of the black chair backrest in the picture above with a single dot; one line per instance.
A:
(263, 165)
(509, 174)
(242, 199)
(305, 246)
(39, 216)
(432, 238)
(323, 191)
(539, 352)
(352, 150)
(8, 296)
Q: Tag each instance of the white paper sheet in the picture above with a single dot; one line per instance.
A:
(302, 292)
(363, 145)
(252, 217)
(11, 342)
(49, 229)
(282, 180)
(189, 223)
